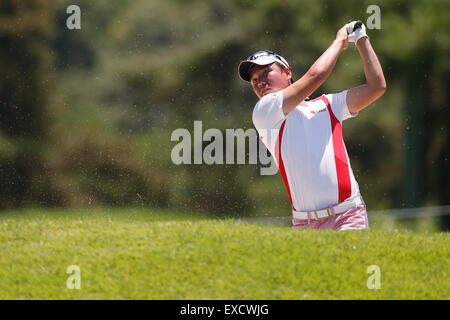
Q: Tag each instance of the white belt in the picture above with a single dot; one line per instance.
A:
(330, 211)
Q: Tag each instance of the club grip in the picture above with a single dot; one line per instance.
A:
(357, 25)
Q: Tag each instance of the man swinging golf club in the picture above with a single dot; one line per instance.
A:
(308, 145)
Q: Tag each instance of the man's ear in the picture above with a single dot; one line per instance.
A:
(288, 73)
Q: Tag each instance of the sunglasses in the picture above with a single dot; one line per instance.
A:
(263, 53)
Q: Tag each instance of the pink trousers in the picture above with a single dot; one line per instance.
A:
(353, 219)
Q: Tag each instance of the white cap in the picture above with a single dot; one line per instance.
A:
(261, 58)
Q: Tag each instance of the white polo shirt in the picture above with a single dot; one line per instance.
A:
(308, 148)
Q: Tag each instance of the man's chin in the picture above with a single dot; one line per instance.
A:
(267, 92)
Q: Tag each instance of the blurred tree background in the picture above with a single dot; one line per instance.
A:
(86, 115)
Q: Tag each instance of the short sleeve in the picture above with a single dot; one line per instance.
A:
(339, 106)
(268, 111)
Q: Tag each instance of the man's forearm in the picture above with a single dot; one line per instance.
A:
(316, 75)
(360, 97)
(372, 67)
(326, 62)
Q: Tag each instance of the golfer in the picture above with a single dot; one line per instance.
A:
(305, 136)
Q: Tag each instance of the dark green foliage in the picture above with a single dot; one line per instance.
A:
(26, 89)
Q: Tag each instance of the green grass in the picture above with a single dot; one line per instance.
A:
(137, 254)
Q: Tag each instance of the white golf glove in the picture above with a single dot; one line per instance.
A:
(356, 30)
